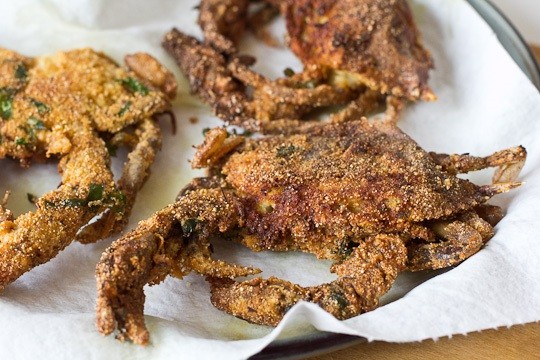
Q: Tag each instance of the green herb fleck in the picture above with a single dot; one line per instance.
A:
(21, 72)
(118, 200)
(288, 72)
(205, 131)
(189, 226)
(21, 141)
(6, 103)
(73, 202)
(33, 124)
(341, 300)
(285, 151)
(95, 193)
(67, 203)
(41, 107)
(345, 248)
(32, 198)
(124, 108)
(36, 124)
(135, 86)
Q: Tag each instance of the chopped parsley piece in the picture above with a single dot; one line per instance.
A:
(340, 300)
(36, 124)
(21, 141)
(95, 193)
(346, 247)
(135, 86)
(189, 226)
(124, 108)
(21, 72)
(119, 201)
(205, 131)
(6, 103)
(73, 202)
(33, 124)
(285, 151)
(41, 107)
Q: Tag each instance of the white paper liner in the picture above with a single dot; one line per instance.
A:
(485, 103)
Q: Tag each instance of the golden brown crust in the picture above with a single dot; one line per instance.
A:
(35, 238)
(173, 241)
(347, 181)
(366, 275)
(375, 39)
(222, 83)
(66, 105)
(148, 68)
(217, 143)
(223, 22)
(361, 193)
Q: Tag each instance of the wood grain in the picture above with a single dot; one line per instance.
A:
(518, 342)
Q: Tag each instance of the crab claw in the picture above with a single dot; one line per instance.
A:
(366, 275)
(130, 263)
(171, 242)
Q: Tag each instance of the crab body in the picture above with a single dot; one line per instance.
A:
(370, 42)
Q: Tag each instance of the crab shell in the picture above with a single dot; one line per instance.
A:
(320, 190)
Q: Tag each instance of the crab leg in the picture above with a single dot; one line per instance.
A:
(292, 92)
(257, 22)
(135, 172)
(209, 78)
(173, 241)
(139, 258)
(366, 103)
(461, 239)
(223, 22)
(490, 213)
(222, 85)
(509, 163)
(36, 237)
(366, 275)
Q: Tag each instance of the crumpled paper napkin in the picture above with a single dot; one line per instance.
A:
(485, 104)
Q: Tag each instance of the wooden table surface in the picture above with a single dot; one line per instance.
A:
(517, 342)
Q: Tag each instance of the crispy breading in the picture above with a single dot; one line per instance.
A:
(350, 49)
(223, 83)
(375, 42)
(68, 106)
(361, 193)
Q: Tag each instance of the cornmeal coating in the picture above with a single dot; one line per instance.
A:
(361, 193)
(75, 106)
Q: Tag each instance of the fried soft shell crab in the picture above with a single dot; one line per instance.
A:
(355, 53)
(76, 106)
(361, 193)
